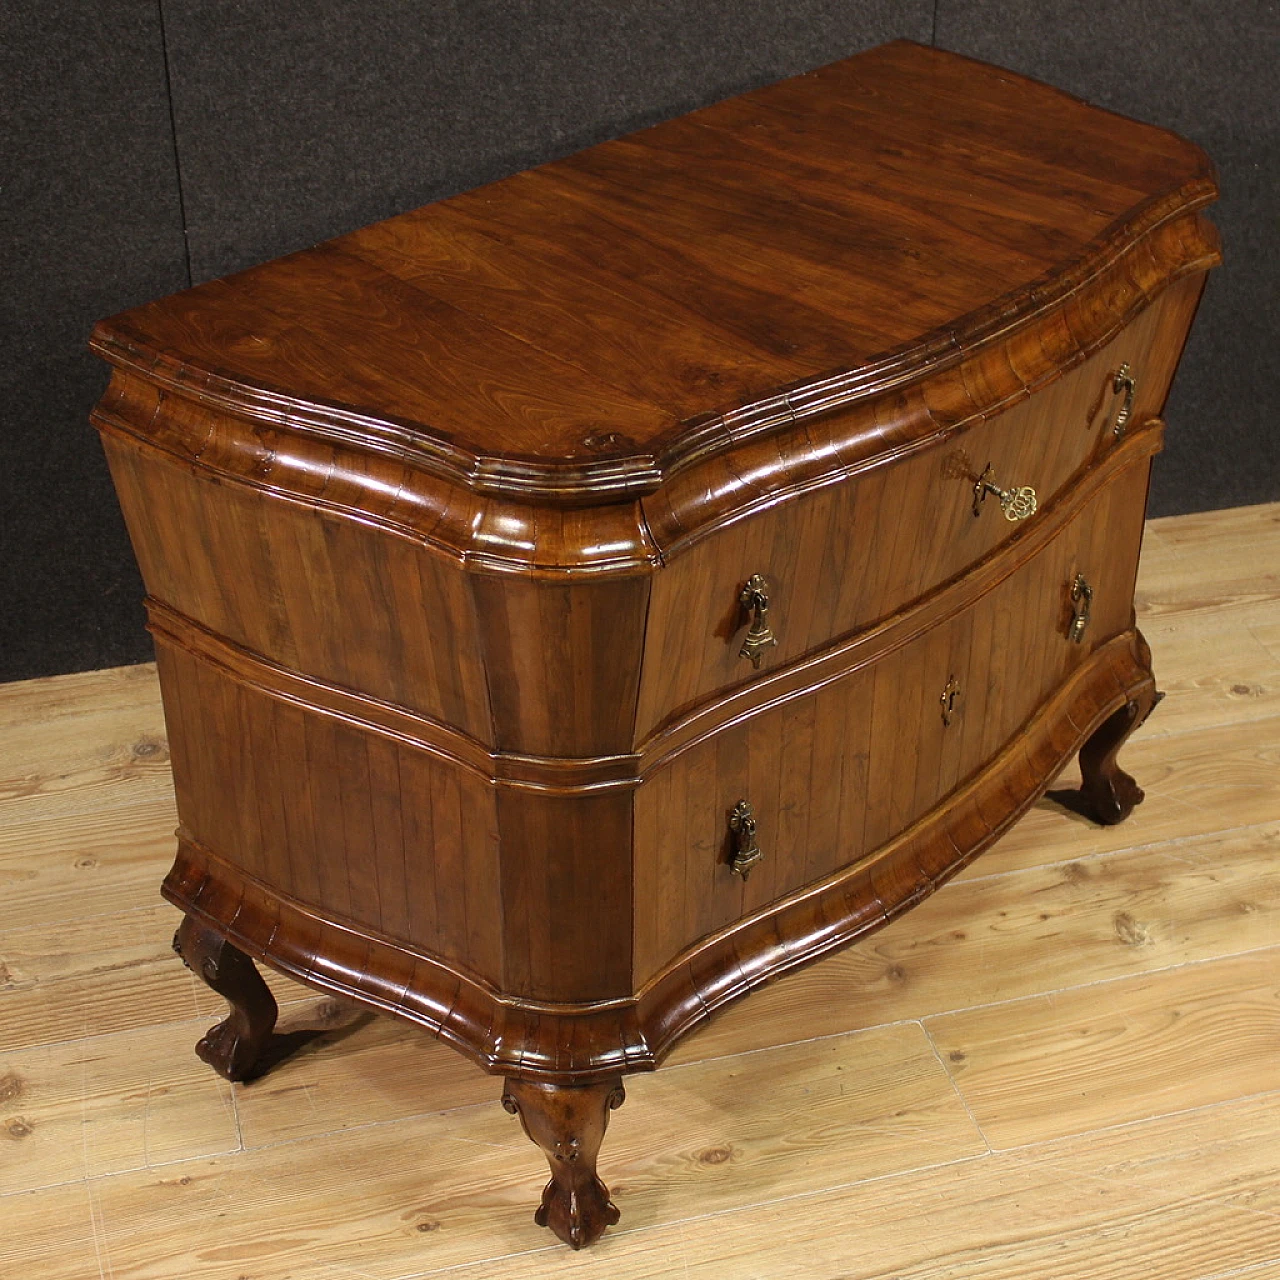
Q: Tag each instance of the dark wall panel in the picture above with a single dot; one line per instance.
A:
(302, 119)
(1207, 69)
(89, 224)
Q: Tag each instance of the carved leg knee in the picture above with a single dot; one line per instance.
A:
(234, 1048)
(568, 1123)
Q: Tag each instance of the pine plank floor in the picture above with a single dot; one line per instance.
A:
(1064, 1065)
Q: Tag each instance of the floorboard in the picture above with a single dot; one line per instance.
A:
(1065, 1064)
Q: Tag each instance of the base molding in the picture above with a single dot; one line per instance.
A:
(580, 1044)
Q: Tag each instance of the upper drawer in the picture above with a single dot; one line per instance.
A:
(846, 556)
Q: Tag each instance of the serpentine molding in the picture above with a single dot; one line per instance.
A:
(577, 1043)
(481, 512)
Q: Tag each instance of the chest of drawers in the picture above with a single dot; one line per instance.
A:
(584, 599)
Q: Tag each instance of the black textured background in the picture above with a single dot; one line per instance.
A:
(148, 144)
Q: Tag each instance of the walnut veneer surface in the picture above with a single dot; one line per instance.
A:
(581, 600)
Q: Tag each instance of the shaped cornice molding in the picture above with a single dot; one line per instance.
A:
(624, 515)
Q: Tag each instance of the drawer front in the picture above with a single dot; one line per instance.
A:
(840, 559)
(832, 775)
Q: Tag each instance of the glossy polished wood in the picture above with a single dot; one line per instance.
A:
(234, 1048)
(569, 1124)
(445, 528)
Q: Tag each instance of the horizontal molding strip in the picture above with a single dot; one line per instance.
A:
(579, 1043)
(973, 334)
(253, 671)
(376, 971)
(560, 775)
(612, 539)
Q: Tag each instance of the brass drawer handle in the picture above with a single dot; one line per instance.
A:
(1123, 381)
(1081, 602)
(754, 597)
(746, 852)
(1017, 503)
(949, 697)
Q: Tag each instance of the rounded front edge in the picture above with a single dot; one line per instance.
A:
(591, 1043)
(627, 515)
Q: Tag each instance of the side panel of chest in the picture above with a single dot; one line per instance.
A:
(834, 773)
(385, 734)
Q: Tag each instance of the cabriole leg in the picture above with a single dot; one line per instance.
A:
(1110, 792)
(234, 1048)
(568, 1123)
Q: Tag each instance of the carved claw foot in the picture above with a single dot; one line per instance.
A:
(568, 1123)
(235, 1048)
(1109, 792)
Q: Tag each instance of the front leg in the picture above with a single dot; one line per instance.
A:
(568, 1123)
(234, 1048)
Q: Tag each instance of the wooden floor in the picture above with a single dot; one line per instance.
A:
(1066, 1064)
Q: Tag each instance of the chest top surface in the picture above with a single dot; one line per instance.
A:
(591, 324)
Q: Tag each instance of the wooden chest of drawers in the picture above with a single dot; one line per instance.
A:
(582, 600)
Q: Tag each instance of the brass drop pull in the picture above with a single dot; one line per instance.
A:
(754, 597)
(950, 696)
(746, 852)
(1017, 503)
(1081, 601)
(1123, 381)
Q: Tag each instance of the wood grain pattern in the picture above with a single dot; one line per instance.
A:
(901, 1110)
(563, 663)
(111, 854)
(84, 1109)
(593, 1038)
(270, 576)
(771, 686)
(360, 1071)
(786, 445)
(759, 289)
(989, 940)
(53, 1233)
(126, 765)
(1229, 767)
(419, 862)
(995, 1218)
(1192, 1191)
(569, 1125)
(836, 774)
(62, 981)
(445, 527)
(347, 845)
(236, 1047)
(1225, 1152)
(1222, 1025)
(888, 536)
(60, 985)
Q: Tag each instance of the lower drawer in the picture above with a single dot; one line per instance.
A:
(831, 775)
